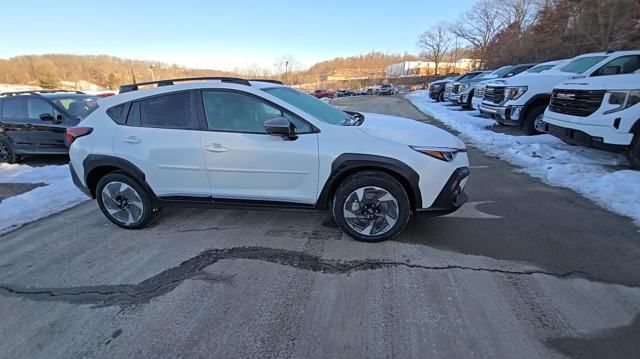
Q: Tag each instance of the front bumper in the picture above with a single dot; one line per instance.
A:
(77, 182)
(451, 197)
(501, 114)
(578, 137)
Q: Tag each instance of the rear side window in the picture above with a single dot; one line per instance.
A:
(117, 114)
(168, 111)
(13, 108)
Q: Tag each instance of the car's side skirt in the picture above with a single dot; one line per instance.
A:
(226, 203)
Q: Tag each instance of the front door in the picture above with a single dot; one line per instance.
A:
(47, 136)
(243, 162)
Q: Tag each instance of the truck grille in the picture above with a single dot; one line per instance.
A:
(581, 103)
(447, 89)
(494, 94)
(478, 92)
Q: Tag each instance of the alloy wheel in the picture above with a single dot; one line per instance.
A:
(371, 211)
(538, 124)
(122, 202)
(4, 153)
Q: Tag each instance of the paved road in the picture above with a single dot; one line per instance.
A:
(524, 271)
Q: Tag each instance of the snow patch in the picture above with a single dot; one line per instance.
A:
(599, 176)
(59, 194)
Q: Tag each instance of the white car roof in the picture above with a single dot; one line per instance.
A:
(134, 95)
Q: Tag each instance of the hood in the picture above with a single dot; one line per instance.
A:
(613, 82)
(408, 132)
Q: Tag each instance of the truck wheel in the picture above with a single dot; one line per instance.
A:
(124, 201)
(441, 96)
(634, 151)
(6, 152)
(371, 206)
(532, 123)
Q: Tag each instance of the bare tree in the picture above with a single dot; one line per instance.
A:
(479, 26)
(435, 43)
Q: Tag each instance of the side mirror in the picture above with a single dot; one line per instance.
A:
(50, 117)
(280, 126)
(47, 117)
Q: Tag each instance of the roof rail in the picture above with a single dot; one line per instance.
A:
(36, 92)
(169, 82)
(277, 82)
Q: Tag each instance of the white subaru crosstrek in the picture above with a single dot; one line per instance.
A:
(228, 142)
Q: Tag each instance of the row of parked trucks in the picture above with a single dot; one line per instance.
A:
(590, 100)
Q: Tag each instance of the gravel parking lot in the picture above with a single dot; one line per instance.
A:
(524, 270)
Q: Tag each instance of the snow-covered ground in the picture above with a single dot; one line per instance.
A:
(600, 176)
(60, 193)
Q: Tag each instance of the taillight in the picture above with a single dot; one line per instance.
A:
(75, 132)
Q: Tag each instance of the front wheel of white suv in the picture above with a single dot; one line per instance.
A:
(124, 201)
(371, 206)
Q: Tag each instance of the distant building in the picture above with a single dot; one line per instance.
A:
(422, 68)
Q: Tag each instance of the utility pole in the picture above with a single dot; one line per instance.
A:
(153, 77)
(286, 71)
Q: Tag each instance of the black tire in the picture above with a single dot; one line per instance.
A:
(140, 218)
(441, 96)
(6, 152)
(372, 182)
(533, 115)
(634, 151)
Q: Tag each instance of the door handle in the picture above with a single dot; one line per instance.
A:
(215, 147)
(131, 139)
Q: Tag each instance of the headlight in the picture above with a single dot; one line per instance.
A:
(463, 87)
(620, 100)
(513, 93)
(442, 153)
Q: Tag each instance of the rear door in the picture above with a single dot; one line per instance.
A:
(14, 123)
(243, 162)
(162, 138)
(47, 136)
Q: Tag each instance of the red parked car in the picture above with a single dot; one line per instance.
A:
(323, 93)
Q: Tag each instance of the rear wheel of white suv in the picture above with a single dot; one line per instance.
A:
(124, 201)
(371, 206)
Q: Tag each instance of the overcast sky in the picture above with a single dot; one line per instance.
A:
(219, 34)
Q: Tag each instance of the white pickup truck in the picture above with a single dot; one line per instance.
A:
(599, 112)
(476, 100)
(522, 100)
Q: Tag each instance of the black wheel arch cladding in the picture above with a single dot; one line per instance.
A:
(97, 166)
(350, 163)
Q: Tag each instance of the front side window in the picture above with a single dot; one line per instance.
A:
(167, 111)
(582, 64)
(37, 107)
(236, 112)
(13, 108)
(619, 66)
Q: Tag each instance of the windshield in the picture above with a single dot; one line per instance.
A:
(502, 71)
(469, 76)
(538, 69)
(77, 106)
(309, 104)
(582, 64)
(483, 75)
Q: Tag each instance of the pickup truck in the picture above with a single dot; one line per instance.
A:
(463, 91)
(476, 100)
(600, 112)
(437, 88)
(522, 100)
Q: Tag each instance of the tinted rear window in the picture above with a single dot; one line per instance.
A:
(117, 114)
(167, 111)
(13, 108)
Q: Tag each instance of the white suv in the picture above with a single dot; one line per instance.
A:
(600, 112)
(229, 142)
